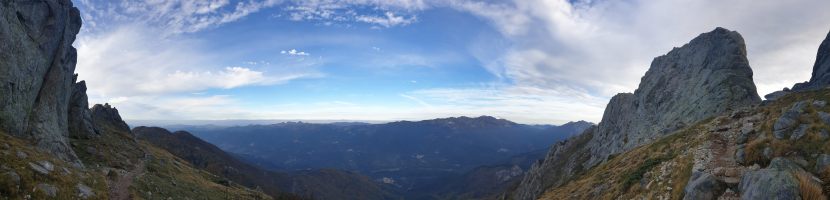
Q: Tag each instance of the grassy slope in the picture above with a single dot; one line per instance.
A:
(169, 176)
(625, 175)
(65, 182)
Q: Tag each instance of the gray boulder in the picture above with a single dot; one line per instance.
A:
(13, 176)
(703, 186)
(825, 117)
(49, 190)
(84, 192)
(799, 132)
(740, 156)
(819, 103)
(774, 182)
(788, 120)
(39, 169)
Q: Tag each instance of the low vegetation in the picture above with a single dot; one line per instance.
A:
(18, 180)
(170, 177)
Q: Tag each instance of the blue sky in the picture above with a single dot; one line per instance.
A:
(531, 61)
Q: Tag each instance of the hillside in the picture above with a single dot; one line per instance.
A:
(730, 156)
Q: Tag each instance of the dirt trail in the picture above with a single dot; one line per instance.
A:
(120, 189)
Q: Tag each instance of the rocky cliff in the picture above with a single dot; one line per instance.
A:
(821, 69)
(37, 62)
(706, 77)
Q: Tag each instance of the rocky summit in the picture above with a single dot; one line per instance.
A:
(706, 77)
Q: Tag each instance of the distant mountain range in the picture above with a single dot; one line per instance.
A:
(405, 154)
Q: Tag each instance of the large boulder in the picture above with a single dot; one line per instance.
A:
(37, 64)
(703, 186)
(706, 77)
(774, 182)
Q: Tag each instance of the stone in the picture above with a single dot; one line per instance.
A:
(707, 77)
(49, 190)
(740, 156)
(37, 67)
(742, 138)
(784, 164)
(822, 161)
(39, 169)
(825, 117)
(799, 132)
(821, 69)
(84, 192)
(768, 152)
(788, 120)
(703, 186)
(766, 184)
(748, 128)
(13, 176)
(823, 134)
(6, 146)
(22, 155)
(46, 165)
(819, 103)
(777, 94)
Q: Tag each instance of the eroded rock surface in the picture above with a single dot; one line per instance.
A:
(707, 77)
(37, 63)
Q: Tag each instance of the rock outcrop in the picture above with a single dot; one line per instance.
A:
(821, 69)
(707, 77)
(106, 116)
(80, 118)
(37, 62)
(776, 181)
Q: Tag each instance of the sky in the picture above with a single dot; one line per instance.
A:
(529, 61)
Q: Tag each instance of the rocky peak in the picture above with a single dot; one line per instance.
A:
(708, 76)
(821, 69)
(106, 115)
(37, 62)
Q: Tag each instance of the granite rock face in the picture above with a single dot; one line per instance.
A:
(37, 62)
(106, 116)
(706, 77)
(80, 118)
(821, 69)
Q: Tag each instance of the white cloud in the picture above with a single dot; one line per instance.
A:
(330, 12)
(388, 20)
(133, 64)
(605, 47)
(173, 16)
(294, 52)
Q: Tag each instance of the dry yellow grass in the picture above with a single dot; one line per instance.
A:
(810, 189)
